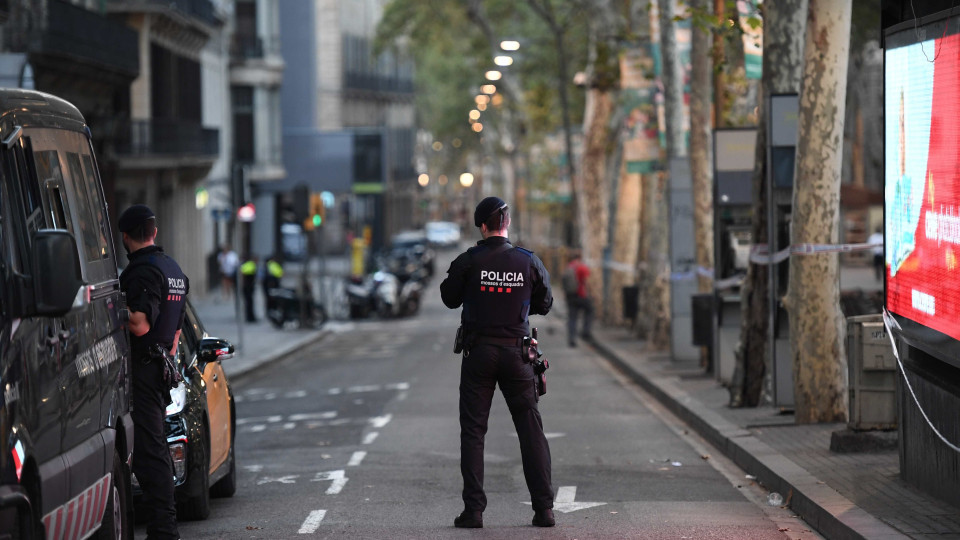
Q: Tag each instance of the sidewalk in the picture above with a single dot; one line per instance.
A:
(853, 495)
(260, 343)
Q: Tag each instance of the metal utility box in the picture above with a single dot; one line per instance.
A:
(873, 377)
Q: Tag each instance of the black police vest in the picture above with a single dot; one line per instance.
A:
(172, 299)
(498, 288)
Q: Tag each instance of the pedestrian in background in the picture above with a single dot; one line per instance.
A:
(248, 284)
(878, 265)
(579, 304)
(228, 261)
(498, 285)
(271, 278)
(156, 291)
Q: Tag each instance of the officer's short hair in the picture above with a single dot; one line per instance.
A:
(498, 220)
(144, 231)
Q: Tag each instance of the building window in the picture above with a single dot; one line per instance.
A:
(243, 141)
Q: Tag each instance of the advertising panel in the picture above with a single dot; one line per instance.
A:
(922, 184)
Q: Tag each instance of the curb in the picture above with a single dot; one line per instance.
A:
(830, 513)
(279, 353)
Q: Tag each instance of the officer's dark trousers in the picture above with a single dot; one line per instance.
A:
(151, 455)
(480, 372)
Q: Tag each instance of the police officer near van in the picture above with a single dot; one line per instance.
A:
(156, 291)
(499, 285)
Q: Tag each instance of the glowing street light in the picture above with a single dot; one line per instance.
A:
(510, 45)
(474, 114)
(478, 127)
(481, 107)
(442, 179)
(488, 89)
(423, 179)
(482, 99)
(503, 60)
(466, 179)
(493, 75)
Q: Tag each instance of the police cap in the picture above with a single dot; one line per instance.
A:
(487, 208)
(133, 217)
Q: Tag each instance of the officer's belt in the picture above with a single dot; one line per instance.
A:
(502, 341)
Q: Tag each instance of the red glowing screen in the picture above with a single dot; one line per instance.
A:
(922, 178)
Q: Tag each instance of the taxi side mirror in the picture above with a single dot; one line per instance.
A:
(213, 349)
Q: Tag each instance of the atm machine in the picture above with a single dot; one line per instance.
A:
(734, 157)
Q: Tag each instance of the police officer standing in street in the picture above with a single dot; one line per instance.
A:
(156, 291)
(499, 285)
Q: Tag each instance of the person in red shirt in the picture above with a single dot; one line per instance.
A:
(575, 277)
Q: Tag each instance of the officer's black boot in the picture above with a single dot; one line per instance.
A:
(544, 518)
(469, 520)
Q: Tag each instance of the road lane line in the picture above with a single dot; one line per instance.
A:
(312, 523)
(337, 480)
(312, 416)
(356, 458)
(257, 428)
(258, 419)
(366, 388)
(296, 394)
(398, 386)
(380, 421)
(370, 437)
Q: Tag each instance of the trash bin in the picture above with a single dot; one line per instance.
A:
(702, 311)
(631, 302)
(872, 374)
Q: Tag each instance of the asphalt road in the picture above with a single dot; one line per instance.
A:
(357, 437)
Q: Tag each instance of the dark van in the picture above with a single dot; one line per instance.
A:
(66, 435)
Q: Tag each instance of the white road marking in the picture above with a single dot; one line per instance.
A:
(258, 420)
(296, 394)
(339, 422)
(334, 391)
(402, 396)
(253, 468)
(564, 501)
(547, 435)
(312, 416)
(356, 458)
(397, 386)
(290, 425)
(366, 388)
(289, 479)
(338, 479)
(312, 523)
(257, 428)
(380, 421)
(370, 437)
(270, 396)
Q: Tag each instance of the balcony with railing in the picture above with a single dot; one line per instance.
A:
(199, 10)
(75, 34)
(166, 139)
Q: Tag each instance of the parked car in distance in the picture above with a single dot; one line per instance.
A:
(414, 245)
(66, 434)
(201, 422)
(444, 234)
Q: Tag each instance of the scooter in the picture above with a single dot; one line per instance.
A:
(288, 310)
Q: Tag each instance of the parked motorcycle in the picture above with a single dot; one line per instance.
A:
(286, 309)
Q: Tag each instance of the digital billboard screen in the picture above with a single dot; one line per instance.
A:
(922, 183)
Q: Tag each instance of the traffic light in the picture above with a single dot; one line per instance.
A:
(317, 213)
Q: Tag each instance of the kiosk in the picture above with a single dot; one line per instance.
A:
(922, 241)
(733, 160)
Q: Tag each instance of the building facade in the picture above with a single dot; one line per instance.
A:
(348, 120)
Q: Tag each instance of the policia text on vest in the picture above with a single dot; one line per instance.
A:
(499, 286)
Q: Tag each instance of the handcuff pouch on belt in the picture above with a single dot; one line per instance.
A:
(171, 375)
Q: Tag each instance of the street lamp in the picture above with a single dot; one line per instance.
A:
(478, 127)
(466, 179)
(503, 60)
(488, 89)
(474, 114)
(442, 179)
(510, 45)
(423, 179)
(493, 75)
(482, 99)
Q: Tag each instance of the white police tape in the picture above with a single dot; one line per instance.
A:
(760, 253)
(889, 322)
